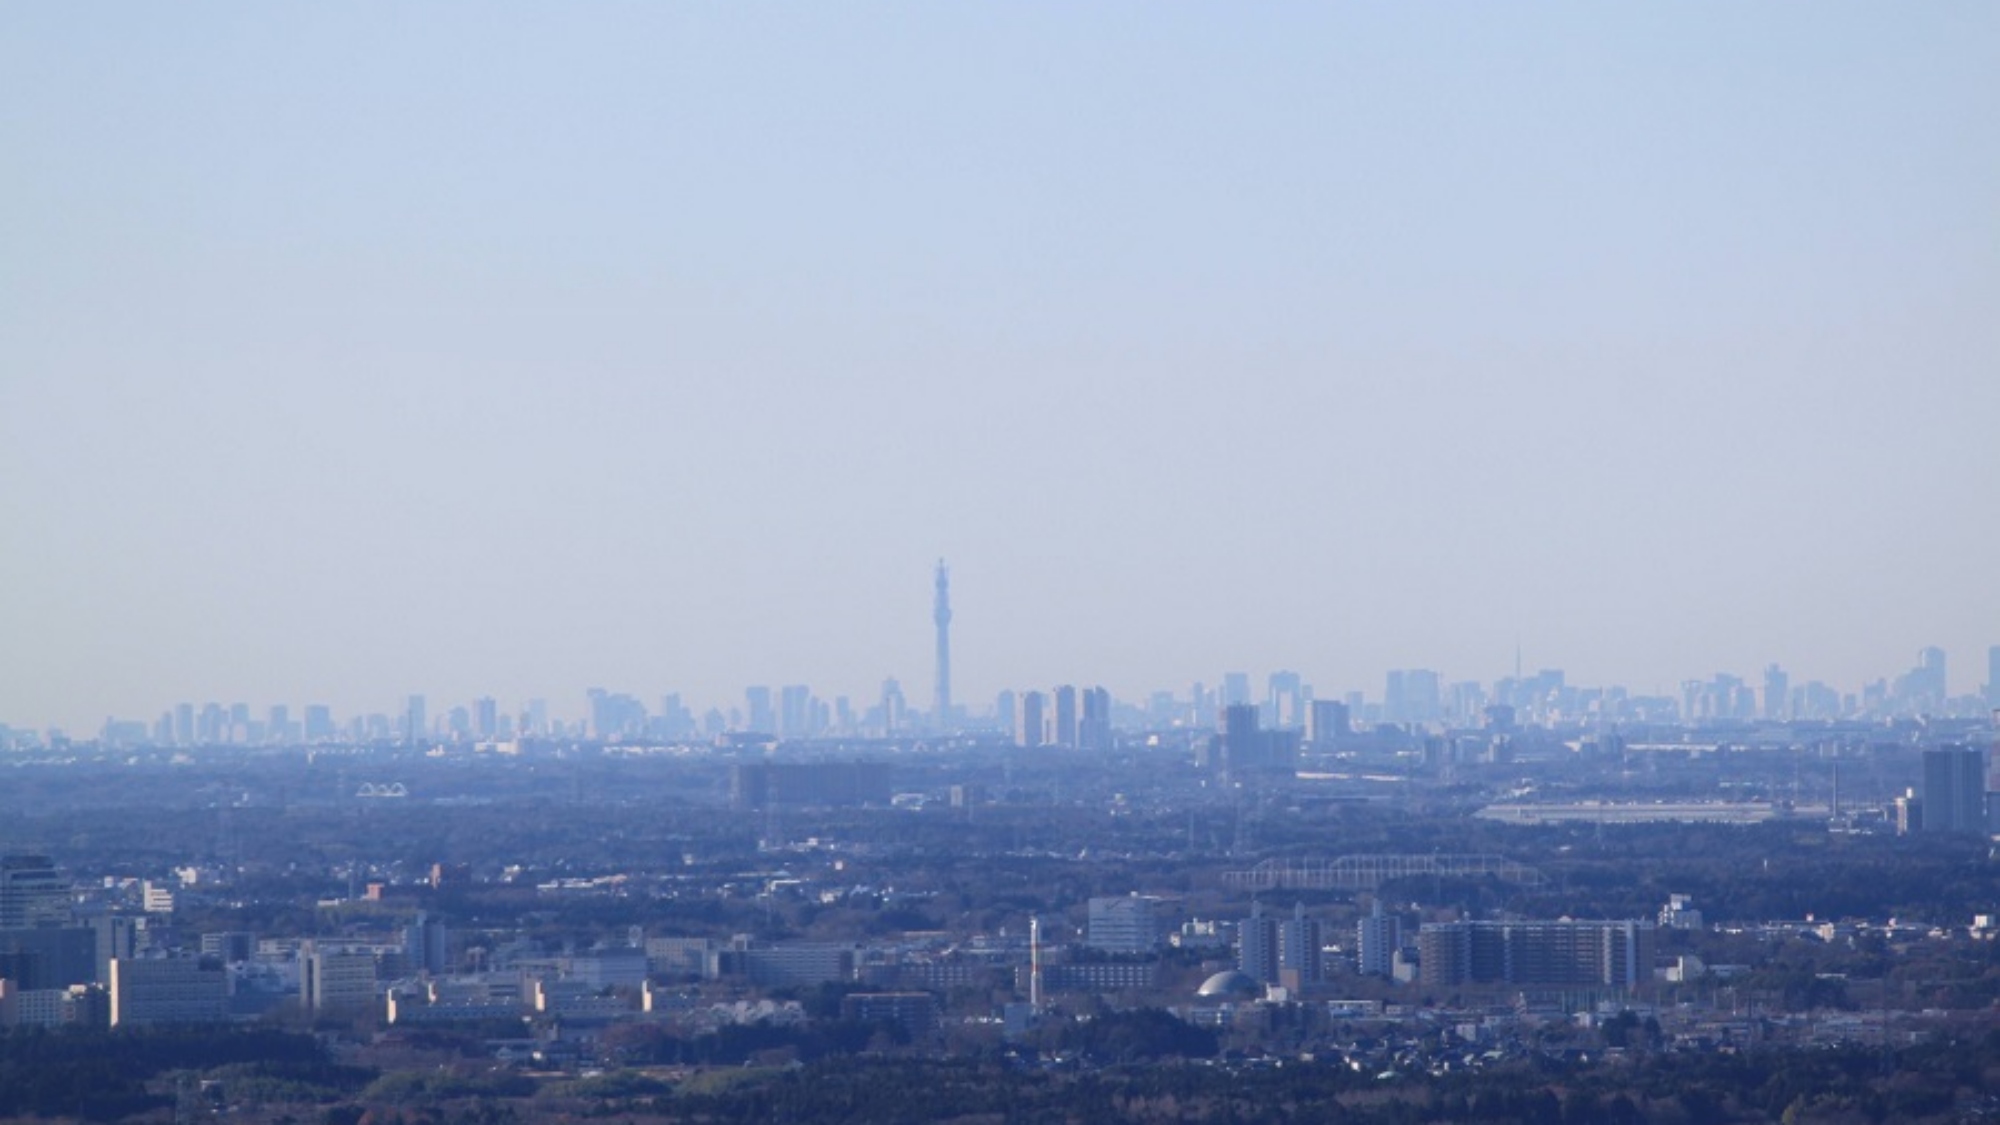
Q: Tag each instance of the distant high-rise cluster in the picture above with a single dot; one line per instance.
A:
(1065, 717)
(1254, 732)
(1242, 749)
(1286, 952)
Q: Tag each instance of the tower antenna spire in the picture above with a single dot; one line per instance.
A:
(941, 615)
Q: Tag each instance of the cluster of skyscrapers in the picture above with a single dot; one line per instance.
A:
(1066, 717)
(1075, 717)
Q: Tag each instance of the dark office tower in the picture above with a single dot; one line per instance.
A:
(1065, 734)
(415, 728)
(1239, 720)
(616, 715)
(941, 614)
(1777, 692)
(1395, 704)
(1243, 751)
(485, 718)
(231, 947)
(117, 936)
(1992, 774)
(48, 957)
(1466, 698)
(795, 711)
(1235, 689)
(1201, 706)
(760, 715)
(893, 707)
(209, 727)
(675, 719)
(1924, 688)
(757, 785)
(1327, 723)
(1238, 741)
(1815, 701)
(1954, 792)
(1093, 728)
(1028, 719)
(1423, 695)
(319, 722)
(184, 719)
(1993, 677)
(32, 892)
(424, 945)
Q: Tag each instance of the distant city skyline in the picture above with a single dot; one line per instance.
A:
(1419, 696)
(505, 350)
(1967, 672)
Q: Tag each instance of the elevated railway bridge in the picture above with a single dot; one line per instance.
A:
(1369, 872)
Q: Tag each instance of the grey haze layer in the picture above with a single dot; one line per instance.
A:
(512, 349)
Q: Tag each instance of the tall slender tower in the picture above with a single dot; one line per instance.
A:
(1035, 963)
(941, 613)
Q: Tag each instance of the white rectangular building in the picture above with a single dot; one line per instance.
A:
(1128, 924)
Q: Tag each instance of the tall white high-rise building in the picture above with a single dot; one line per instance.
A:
(416, 722)
(1377, 937)
(1257, 951)
(1299, 950)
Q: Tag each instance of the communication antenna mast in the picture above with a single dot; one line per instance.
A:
(1035, 963)
(941, 616)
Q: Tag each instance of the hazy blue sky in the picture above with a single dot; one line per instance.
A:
(354, 350)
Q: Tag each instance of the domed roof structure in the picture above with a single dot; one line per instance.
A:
(1231, 983)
